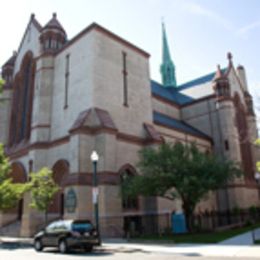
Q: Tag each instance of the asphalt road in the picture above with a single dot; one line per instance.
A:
(11, 252)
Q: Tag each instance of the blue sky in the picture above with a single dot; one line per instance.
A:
(200, 32)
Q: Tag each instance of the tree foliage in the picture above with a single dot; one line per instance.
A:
(2, 82)
(177, 171)
(10, 193)
(43, 188)
(257, 142)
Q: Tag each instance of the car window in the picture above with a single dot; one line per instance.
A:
(51, 227)
(57, 226)
(82, 227)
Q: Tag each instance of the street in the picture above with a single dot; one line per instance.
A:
(107, 252)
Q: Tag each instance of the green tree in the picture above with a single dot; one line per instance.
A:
(2, 82)
(176, 171)
(10, 193)
(257, 142)
(43, 188)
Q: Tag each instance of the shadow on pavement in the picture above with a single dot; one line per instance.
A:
(100, 251)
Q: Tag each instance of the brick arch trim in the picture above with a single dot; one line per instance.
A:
(128, 167)
(61, 171)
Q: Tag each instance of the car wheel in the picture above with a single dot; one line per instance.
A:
(38, 245)
(89, 248)
(63, 247)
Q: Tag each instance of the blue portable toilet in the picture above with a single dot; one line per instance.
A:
(179, 223)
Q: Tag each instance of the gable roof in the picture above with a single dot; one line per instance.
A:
(199, 81)
(178, 125)
(170, 94)
(84, 119)
(104, 31)
(37, 26)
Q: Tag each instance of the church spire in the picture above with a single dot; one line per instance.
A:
(167, 66)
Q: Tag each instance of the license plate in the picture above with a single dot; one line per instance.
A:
(87, 234)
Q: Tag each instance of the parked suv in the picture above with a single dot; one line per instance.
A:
(67, 234)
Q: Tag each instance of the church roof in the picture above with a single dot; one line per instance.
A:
(177, 124)
(199, 81)
(170, 94)
(10, 61)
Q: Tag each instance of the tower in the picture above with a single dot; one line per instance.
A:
(227, 142)
(52, 38)
(167, 66)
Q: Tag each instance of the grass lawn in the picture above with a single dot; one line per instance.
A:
(211, 237)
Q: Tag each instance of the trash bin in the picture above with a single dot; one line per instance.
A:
(179, 223)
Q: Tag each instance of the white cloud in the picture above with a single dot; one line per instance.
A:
(245, 29)
(213, 16)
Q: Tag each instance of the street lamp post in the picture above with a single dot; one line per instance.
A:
(94, 158)
(257, 179)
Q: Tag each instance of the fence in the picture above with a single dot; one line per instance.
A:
(161, 224)
(206, 221)
(214, 220)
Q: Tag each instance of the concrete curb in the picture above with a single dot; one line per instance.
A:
(13, 242)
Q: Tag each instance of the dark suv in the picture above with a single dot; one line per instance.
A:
(67, 234)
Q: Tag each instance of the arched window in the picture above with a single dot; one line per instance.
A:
(127, 202)
(20, 124)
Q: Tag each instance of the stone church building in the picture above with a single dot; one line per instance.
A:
(65, 98)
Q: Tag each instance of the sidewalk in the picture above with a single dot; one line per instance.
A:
(244, 239)
(239, 246)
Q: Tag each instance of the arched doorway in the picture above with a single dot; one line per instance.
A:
(18, 175)
(60, 171)
(132, 222)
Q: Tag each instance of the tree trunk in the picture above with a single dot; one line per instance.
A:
(188, 211)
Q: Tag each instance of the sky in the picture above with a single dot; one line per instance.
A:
(200, 32)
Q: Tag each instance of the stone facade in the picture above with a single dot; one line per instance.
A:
(65, 98)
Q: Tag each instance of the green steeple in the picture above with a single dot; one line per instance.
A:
(167, 66)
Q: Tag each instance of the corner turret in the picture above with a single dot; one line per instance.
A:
(53, 36)
(221, 85)
(7, 70)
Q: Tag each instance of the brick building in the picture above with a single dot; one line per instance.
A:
(65, 98)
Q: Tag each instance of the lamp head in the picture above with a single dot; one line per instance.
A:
(94, 156)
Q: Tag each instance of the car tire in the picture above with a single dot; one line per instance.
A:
(63, 247)
(38, 245)
(89, 248)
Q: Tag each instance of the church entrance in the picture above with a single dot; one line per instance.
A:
(60, 171)
(18, 175)
(132, 226)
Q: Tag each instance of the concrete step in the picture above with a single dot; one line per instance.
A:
(11, 230)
